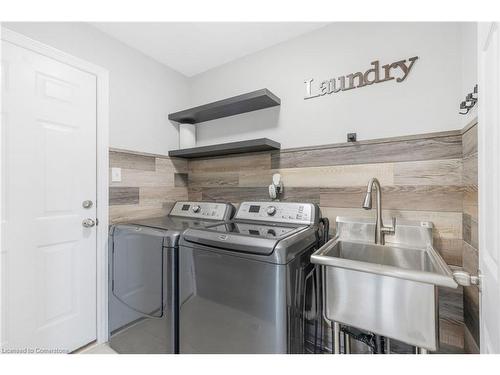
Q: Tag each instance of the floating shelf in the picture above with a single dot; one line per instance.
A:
(248, 102)
(253, 145)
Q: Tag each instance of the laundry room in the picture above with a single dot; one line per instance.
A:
(259, 187)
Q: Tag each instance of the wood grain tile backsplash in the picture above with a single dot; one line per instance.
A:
(150, 185)
(421, 178)
(470, 237)
(426, 177)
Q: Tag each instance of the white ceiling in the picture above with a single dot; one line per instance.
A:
(194, 47)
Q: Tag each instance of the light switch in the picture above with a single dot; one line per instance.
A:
(116, 174)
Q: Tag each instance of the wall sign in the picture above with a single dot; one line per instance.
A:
(398, 70)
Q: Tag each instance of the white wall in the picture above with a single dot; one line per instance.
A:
(468, 43)
(427, 101)
(142, 91)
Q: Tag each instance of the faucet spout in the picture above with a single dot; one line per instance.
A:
(367, 203)
(380, 229)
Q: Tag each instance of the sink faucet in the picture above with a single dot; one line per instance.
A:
(380, 229)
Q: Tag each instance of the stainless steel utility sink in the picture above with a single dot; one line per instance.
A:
(389, 289)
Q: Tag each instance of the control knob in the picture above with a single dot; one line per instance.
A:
(196, 209)
(271, 232)
(271, 210)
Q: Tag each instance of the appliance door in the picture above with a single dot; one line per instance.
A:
(230, 304)
(142, 285)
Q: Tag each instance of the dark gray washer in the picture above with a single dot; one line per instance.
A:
(255, 299)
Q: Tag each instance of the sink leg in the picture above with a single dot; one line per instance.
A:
(379, 344)
(336, 338)
(421, 350)
(347, 343)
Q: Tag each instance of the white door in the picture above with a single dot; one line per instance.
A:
(48, 170)
(489, 184)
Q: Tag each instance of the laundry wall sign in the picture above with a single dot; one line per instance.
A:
(397, 70)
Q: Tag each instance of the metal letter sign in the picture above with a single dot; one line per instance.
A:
(376, 74)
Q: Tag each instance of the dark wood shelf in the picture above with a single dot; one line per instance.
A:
(252, 145)
(236, 105)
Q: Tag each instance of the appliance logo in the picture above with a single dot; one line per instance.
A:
(377, 74)
(223, 237)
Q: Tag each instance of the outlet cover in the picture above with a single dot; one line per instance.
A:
(116, 174)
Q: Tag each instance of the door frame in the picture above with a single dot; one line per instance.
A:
(102, 167)
(485, 30)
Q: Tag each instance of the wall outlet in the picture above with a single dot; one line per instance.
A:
(351, 137)
(116, 174)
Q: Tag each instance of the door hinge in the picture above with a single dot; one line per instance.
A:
(464, 278)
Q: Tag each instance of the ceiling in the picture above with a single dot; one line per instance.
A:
(194, 47)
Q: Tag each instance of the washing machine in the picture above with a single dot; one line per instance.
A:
(247, 285)
(143, 282)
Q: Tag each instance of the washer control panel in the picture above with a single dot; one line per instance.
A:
(278, 212)
(203, 210)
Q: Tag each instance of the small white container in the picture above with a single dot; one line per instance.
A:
(187, 136)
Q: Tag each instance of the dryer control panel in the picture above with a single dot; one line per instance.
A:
(279, 212)
(203, 210)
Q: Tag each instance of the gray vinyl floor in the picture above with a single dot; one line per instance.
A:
(147, 336)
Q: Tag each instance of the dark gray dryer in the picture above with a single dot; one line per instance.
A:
(247, 286)
(143, 267)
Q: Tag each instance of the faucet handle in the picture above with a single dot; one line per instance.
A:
(392, 228)
(394, 223)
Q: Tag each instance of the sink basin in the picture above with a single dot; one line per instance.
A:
(389, 289)
(407, 263)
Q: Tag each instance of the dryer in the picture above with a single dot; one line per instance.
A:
(143, 269)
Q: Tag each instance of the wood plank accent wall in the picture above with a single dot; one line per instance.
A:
(150, 185)
(421, 178)
(470, 236)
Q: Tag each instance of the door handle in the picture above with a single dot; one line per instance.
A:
(88, 223)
